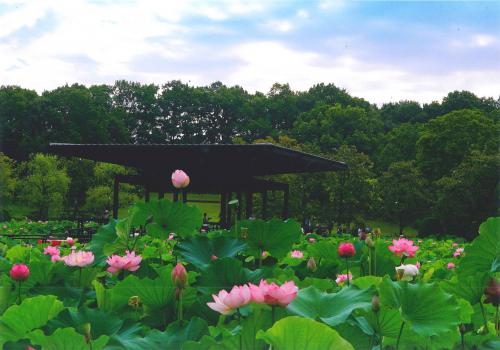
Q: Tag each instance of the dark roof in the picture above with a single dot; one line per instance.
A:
(202, 161)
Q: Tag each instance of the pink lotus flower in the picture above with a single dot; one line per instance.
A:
(70, 241)
(346, 250)
(51, 251)
(55, 258)
(80, 258)
(417, 264)
(341, 279)
(273, 294)
(297, 254)
(312, 239)
(179, 276)
(403, 246)
(225, 303)
(180, 179)
(458, 252)
(454, 245)
(171, 236)
(450, 265)
(19, 272)
(128, 262)
(407, 272)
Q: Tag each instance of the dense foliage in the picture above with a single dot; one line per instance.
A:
(451, 147)
(286, 289)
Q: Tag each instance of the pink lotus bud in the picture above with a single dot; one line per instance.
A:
(450, 265)
(492, 292)
(297, 254)
(342, 278)
(19, 272)
(214, 257)
(311, 264)
(179, 276)
(180, 179)
(346, 250)
(376, 303)
(70, 241)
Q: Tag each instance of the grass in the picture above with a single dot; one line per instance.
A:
(389, 228)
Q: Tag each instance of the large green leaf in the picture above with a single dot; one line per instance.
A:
(303, 334)
(200, 250)
(64, 339)
(470, 288)
(155, 293)
(224, 274)
(427, 309)
(275, 236)
(333, 308)
(136, 217)
(483, 255)
(32, 313)
(109, 299)
(169, 217)
(105, 235)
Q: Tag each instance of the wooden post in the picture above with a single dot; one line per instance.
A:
(249, 204)
(239, 197)
(184, 196)
(223, 205)
(228, 207)
(264, 205)
(116, 190)
(286, 200)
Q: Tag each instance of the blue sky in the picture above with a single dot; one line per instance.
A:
(379, 50)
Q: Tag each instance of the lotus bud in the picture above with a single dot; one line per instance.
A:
(376, 303)
(214, 257)
(85, 329)
(492, 292)
(180, 179)
(369, 242)
(346, 250)
(311, 264)
(179, 276)
(134, 301)
(19, 272)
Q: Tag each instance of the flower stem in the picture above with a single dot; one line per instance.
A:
(347, 264)
(179, 306)
(273, 313)
(80, 278)
(399, 335)
(19, 292)
(484, 316)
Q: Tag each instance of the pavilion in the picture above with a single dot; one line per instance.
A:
(213, 168)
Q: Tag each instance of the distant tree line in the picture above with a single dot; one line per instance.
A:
(433, 166)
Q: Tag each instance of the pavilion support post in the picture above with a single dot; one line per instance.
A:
(223, 205)
(286, 200)
(228, 208)
(184, 196)
(116, 190)
(161, 194)
(264, 205)
(249, 204)
(147, 195)
(239, 196)
(176, 196)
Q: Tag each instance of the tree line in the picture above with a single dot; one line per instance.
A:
(432, 166)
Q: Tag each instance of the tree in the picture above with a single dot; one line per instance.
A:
(394, 114)
(7, 180)
(402, 189)
(45, 185)
(446, 141)
(469, 195)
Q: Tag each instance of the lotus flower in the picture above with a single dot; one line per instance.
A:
(297, 254)
(458, 252)
(407, 272)
(341, 279)
(180, 179)
(450, 265)
(225, 303)
(51, 251)
(273, 294)
(454, 245)
(346, 250)
(403, 246)
(171, 236)
(311, 264)
(70, 241)
(55, 242)
(19, 272)
(179, 276)
(80, 258)
(128, 262)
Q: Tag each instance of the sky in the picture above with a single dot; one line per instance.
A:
(382, 51)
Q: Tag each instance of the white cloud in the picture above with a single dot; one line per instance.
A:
(264, 63)
(282, 26)
(483, 40)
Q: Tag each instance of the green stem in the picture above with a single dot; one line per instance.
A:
(19, 292)
(462, 338)
(347, 264)
(374, 262)
(399, 335)
(484, 316)
(369, 261)
(379, 330)
(80, 278)
(273, 313)
(180, 306)
(497, 326)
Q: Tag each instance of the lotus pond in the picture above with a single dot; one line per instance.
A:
(152, 280)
